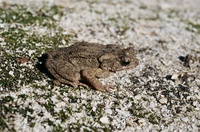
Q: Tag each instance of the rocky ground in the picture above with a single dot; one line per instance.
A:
(161, 94)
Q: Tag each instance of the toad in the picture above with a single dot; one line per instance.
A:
(83, 63)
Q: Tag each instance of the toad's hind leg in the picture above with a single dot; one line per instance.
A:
(91, 76)
(74, 81)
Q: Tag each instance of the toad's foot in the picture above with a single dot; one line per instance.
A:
(109, 88)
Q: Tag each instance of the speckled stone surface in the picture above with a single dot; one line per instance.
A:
(160, 94)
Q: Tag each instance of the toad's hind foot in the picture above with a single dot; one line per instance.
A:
(109, 88)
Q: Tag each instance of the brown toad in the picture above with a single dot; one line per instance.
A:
(86, 62)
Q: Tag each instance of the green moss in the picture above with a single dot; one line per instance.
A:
(75, 127)
(63, 115)
(26, 110)
(58, 128)
(190, 109)
(193, 25)
(30, 119)
(173, 13)
(197, 26)
(49, 105)
(32, 124)
(89, 128)
(154, 119)
(19, 44)
(48, 121)
(21, 14)
(69, 110)
(152, 18)
(121, 23)
(6, 99)
(10, 107)
(143, 7)
(3, 124)
(141, 112)
(23, 96)
(19, 40)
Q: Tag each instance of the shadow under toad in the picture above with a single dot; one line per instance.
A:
(41, 66)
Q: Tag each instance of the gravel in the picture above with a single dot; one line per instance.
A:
(161, 94)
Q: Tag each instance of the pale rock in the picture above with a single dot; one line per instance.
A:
(104, 120)
(163, 101)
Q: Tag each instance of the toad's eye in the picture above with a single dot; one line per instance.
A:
(126, 61)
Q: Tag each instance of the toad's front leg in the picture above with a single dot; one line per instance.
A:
(91, 75)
